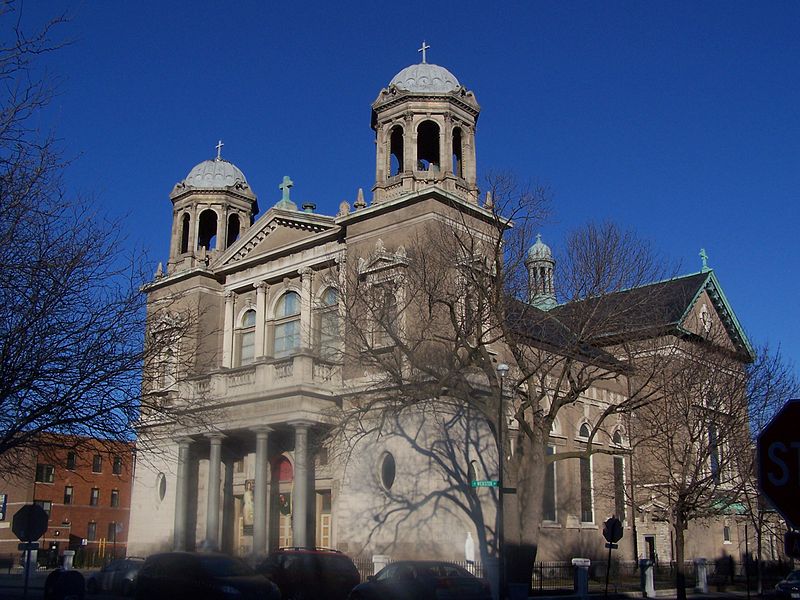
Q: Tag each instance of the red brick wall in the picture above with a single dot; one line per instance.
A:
(69, 523)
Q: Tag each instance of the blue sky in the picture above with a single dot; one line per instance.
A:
(680, 120)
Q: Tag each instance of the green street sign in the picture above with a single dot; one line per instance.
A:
(485, 483)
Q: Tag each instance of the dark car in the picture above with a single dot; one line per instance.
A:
(200, 576)
(789, 587)
(422, 580)
(117, 577)
(310, 573)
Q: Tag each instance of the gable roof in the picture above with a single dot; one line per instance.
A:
(309, 223)
(650, 310)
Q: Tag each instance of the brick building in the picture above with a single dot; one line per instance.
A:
(85, 487)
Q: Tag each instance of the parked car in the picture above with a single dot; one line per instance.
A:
(201, 576)
(789, 587)
(422, 580)
(117, 577)
(310, 573)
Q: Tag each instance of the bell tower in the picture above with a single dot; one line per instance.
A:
(424, 124)
(212, 207)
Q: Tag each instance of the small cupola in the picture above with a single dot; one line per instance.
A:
(212, 206)
(424, 123)
(540, 265)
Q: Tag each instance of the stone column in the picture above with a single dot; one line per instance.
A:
(212, 507)
(300, 500)
(261, 317)
(261, 493)
(227, 332)
(181, 494)
(306, 275)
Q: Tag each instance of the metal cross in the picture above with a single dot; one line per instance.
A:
(704, 258)
(219, 150)
(423, 49)
(285, 186)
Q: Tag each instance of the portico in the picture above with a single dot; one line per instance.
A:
(236, 464)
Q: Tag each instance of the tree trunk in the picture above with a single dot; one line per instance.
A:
(524, 509)
(680, 574)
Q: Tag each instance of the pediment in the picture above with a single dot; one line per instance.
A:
(275, 230)
(382, 262)
(710, 316)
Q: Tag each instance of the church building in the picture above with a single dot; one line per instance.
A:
(250, 310)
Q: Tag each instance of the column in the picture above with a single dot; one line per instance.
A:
(300, 500)
(306, 274)
(227, 332)
(261, 317)
(181, 494)
(261, 493)
(212, 507)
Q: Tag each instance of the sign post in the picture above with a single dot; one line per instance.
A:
(29, 524)
(612, 531)
(779, 468)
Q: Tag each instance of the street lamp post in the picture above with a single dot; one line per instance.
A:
(502, 371)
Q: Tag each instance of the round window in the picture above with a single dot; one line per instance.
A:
(161, 486)
(387, 471)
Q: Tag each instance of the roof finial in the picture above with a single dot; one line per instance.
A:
(219, 149)
(704, 258)
(423, 49)
(285, 186)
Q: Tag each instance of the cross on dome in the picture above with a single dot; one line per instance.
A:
(423, 49)
(219, 149)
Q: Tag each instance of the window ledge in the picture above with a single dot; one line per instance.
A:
(550, 525)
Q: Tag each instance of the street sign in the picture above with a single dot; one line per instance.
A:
(29, 523)
(612, 530)
(779, 462)
(485, 483)
(791, 544)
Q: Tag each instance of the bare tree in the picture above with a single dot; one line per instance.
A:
(72, 318)
(692, 443)
(428, 321)
(771, 382)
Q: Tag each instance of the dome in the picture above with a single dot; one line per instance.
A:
(425, 78)
(215, 175)
(540, 250)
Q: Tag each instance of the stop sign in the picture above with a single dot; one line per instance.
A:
(29, 523)
(779, 462)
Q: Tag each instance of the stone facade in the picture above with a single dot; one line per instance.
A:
(244, 468)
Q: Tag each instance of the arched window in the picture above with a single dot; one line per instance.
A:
(617, 438)
(458, 166)
(169, 368)
(247, 338)
(385, 316)
(329, 337)
(584, 431)
(287, 324)
(207, 232)
(428, 158)
(185, 233)
(233, 229)
(396, 151)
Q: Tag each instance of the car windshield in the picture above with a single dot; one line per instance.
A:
(224, 566)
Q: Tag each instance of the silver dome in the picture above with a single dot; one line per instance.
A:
(215, 175)
(540, 250)
(425, 78)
